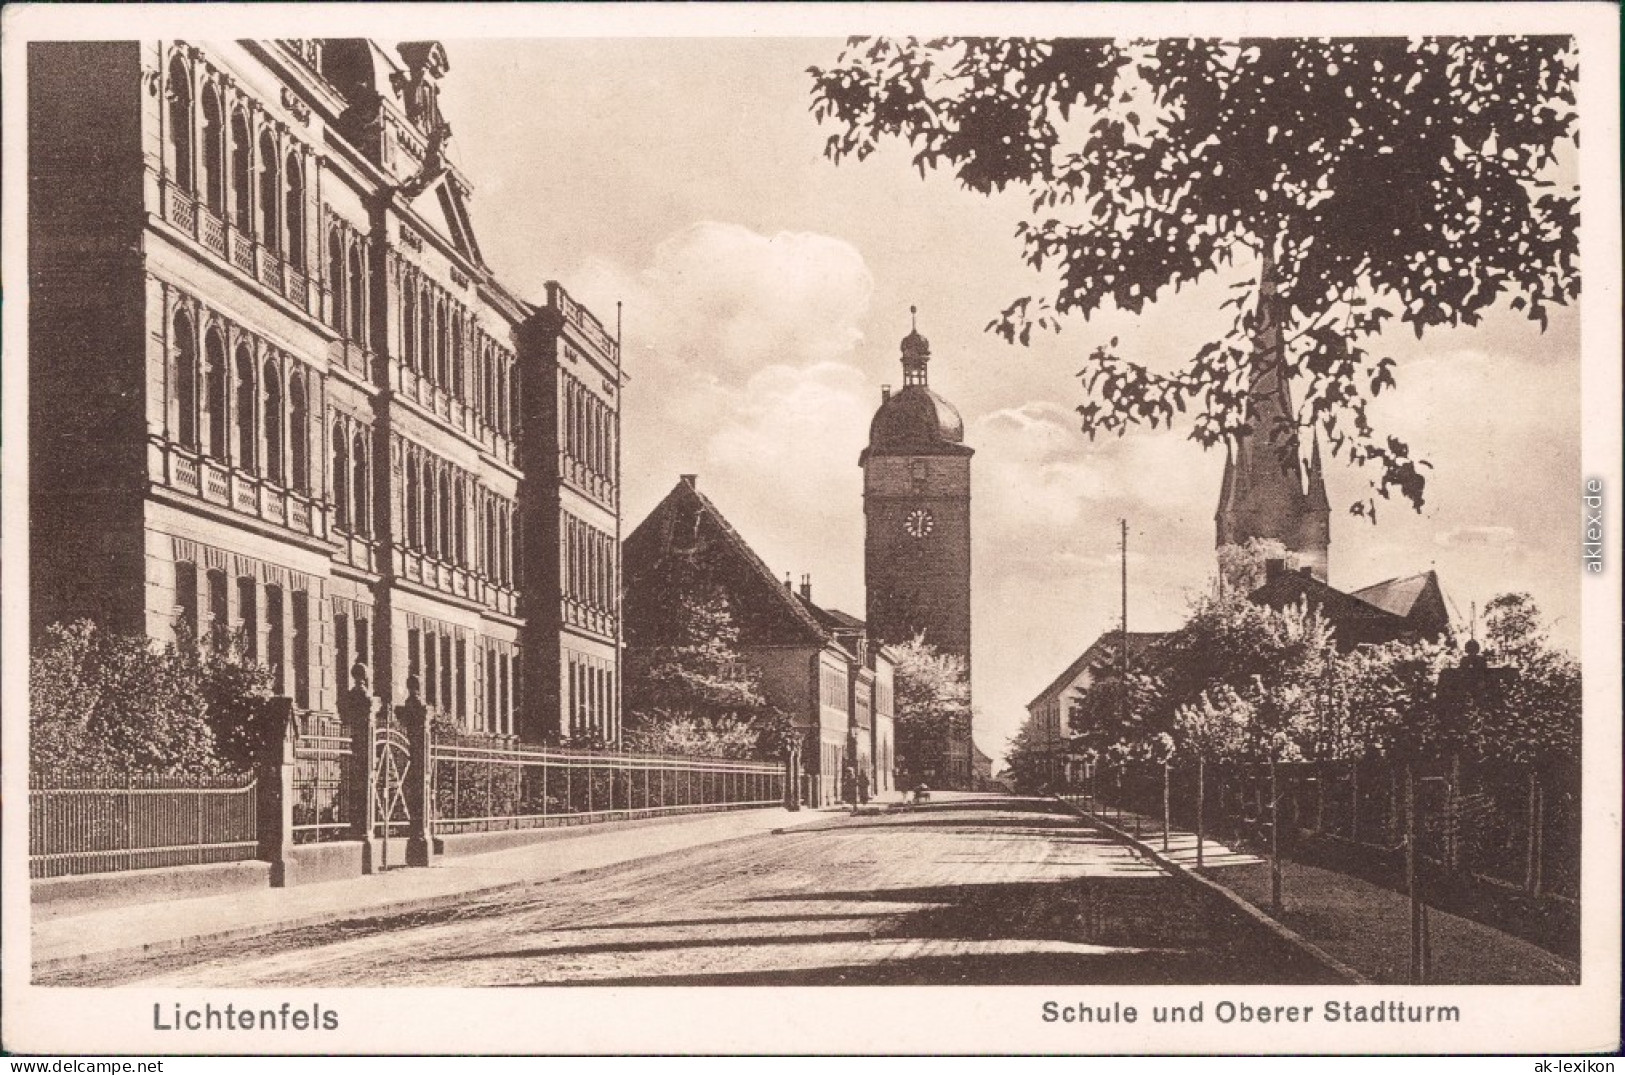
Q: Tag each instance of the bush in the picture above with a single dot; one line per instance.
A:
(108, 703)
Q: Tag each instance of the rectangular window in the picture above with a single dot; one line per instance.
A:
(186, 610)
(491, 722)
(301, 650)
(412, 651)
(362, 642)
(430, 653)
(447, 683)
(462, 681)
(341, 654)
(219, 616)
(248, 617)
(275, 640)
(506, 724)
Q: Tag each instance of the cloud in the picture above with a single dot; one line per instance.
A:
(1494, 537)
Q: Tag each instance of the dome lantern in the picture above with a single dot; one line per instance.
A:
(916, 352)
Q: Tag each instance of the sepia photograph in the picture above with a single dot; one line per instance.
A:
(1103, 508)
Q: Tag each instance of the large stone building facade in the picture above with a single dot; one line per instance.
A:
(276, 393)
(917, 548)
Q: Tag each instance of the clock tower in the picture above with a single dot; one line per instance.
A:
(916, 507)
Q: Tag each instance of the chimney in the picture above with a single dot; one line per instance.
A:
(885, 393)
(1306, 570)
(806, 587)
(787, 585)
(691, 480)
(1274, 568)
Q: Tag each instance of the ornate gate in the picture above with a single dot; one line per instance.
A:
(392, 761)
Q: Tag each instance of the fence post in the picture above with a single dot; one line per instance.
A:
(358, 711)
(792, 765)
(1410, 875)
(1275, 841)
(414, 717)
(1167, 810)
(1201, 808)
(274, 790)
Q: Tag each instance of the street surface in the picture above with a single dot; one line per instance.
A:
(968, 890)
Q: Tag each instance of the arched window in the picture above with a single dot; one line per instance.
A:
(457, 357)
(447, 548)
(270, 194)
(409, 324)
(501, 415)
(214, 385)
(431, 524)
(271, 394)
(185, 348)
(247, 440)
(337, 285)
(442, 352)
(242, 210)
(490, 540)
(213, 157)
(294, 181)
(425, 330)
(460, 522)
(358, 296)
(362, 457)
(413, 502)
(487, 409)
(180, 126)
(502, 544)
(299, 432)
(341, 476)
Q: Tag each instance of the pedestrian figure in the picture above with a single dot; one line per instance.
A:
(863, 786)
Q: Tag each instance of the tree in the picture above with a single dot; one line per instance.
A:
(1532, 714)
(932, 701)
(1335, 184)
(688, 690)
(1029, 760)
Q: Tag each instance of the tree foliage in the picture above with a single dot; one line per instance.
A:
(1337, 185)
(106, 703)
(689, 691)
(932, 699)
(1027, 759)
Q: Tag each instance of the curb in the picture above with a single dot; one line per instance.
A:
(1290, 936)
(405, 905)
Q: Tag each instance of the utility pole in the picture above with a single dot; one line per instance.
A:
(1122, 655)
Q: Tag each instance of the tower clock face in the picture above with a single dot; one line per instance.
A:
(918, 523)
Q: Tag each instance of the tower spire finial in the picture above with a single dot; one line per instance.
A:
(913, 318)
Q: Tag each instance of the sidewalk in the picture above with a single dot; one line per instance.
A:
(135, 929)
(1361, 925)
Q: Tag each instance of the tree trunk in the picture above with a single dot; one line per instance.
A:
(1354, 801)
(1452, 822)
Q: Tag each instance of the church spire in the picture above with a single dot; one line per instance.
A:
(916, 352)
(1265, 494)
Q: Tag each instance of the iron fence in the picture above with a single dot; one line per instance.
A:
(99, 824)
(1510, 825)
(326, 802)
(480, 788)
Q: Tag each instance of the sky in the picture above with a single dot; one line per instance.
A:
(764, 293)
